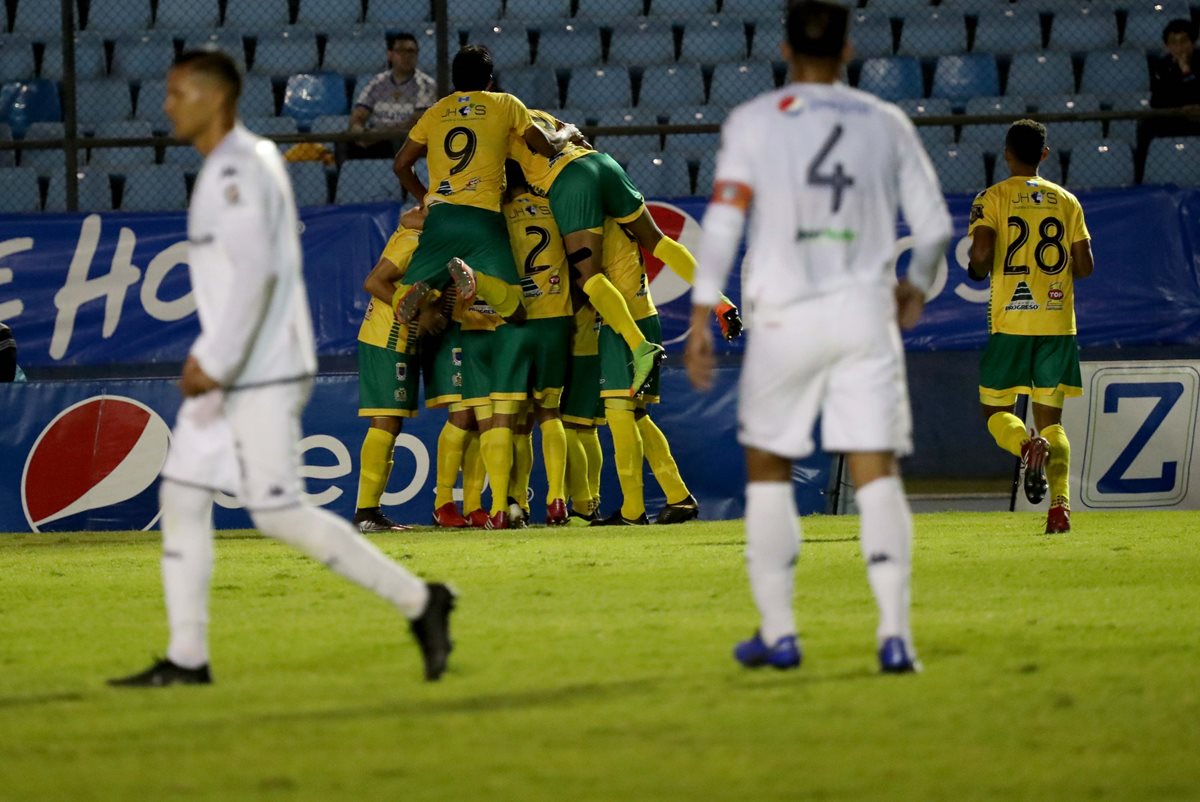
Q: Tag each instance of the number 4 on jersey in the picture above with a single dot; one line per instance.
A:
(837, 180)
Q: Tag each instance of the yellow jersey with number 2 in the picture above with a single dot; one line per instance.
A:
(1036, 221)
(538, 251)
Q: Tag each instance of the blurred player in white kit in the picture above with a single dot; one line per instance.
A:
(823, 168)
(246, 381)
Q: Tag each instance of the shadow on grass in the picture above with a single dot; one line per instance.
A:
(8, 702)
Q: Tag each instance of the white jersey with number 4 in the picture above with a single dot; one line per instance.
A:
(828, 168)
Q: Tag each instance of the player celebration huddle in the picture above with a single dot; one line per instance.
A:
(516, 293)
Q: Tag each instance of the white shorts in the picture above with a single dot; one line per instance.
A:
(839, 357)
(245, 443)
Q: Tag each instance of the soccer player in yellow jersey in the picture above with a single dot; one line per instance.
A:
(583, 411)
(1029, 235)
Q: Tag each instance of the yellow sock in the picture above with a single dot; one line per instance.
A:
(1009, 432)
(375, 466)
(500, 295)
(678, 258)
(474, 475)
(496, 448)
(611, 306)
(628, 455)
(554, 454)
(1058, 469)
(590, 439)
(577, 472)
(451, 444)
(658, 454)
(518, 478)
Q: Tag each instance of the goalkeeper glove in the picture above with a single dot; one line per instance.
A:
(728, 318)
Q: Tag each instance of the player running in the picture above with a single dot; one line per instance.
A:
(1029, 235)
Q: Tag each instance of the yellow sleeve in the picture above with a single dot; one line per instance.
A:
(419, 133)
(1079, 230)
(519, 115)
(400, 247)
(983, 211)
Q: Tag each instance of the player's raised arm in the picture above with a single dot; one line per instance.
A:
(402, 166)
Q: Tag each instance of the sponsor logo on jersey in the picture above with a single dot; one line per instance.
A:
(555, 285)
(401, 394)
(444, 187)
(95, 466)
(1022, 299)
(976, 213)
(792, 105)
(463, 112)
(1055, 297)
(530, 287)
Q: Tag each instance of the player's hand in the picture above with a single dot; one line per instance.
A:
(430, 320)
(194, 380)
(698, 356)
(729, 319)
(910, 302)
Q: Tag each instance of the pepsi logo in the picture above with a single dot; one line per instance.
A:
(95, 466)
(680, 226)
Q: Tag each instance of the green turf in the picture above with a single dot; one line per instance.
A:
(594, 665)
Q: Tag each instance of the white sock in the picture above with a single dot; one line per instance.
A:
(325, 537)
(887, 547)
(187, 563)
(772, 547)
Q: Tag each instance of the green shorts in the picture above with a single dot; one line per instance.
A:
(581, 402)
(477, 236)
(532, 359)
(1046, 368)
(442, 367)
(590, 189)
(387, 383)
(477, 352)
(616, 361)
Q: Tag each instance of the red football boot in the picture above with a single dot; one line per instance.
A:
(556, 513)
(478, 519)
(1034, 456)
(447, 516)
(498, 521)
(1058, 520)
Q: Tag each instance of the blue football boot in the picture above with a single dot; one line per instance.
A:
(754, 653)
(895, 659)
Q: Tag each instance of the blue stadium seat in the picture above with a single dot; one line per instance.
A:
(330, 124)
(892, 79)
(683, 9)
(931, 135)
(118, 16)
(44, 162)
(285, 53)
(367, 181)
(8, 158)
(40, 18)
(185, 157)
(258, 98)
(309, 95)
(101, 100)
(870, 40)
(712, 41)
(622, 147)
(309, 183)
(705, 175)
(21, 194)
(645, 42)
(351, 55)
(1173, 161)
(660, 175)
(990, 136)
(958, 78)
(509, 44)
(750, 9)
(1064, 135)
(896, 7)
(23, 103)
(610, 12)
(1124, 130)
(1111, 71)
(16, 59)
(603, 88)
(329, 16)
(228, 42)
(736, 83)
(960, 168)
(474, 11)
(160, 187)
(977, 7)
(574, 44)
(187, 15)
(664, 87)
(271, 126)
(692, 147)
(1008, 30)
(1049, 169)
(89, 58)
(145, 56)
(1101, 163)
(95, 192)
(927, 34)
(123, 157)
(1040, 74)
(1143, 31)
(256, 15)
(697, 115)
(149, 105)
(1170, 9)
(1083, 28)
(579, 116)
(541, 11)
(538, 87)
(399, 13)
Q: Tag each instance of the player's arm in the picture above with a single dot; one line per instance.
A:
(982, 254)
(548, 144)
(403, 164)
(381, 282)
(924, 208)
(1082, 263)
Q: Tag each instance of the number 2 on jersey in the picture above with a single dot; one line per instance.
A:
(543, 236)
(1050, 236)
(837, 180)
(461, 156)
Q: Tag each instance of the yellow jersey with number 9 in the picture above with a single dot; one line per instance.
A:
(538, 251)
(467, 135)
(379, 326)
(1036, 221)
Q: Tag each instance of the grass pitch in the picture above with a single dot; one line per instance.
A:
(595, 665)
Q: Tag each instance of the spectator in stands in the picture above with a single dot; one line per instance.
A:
(8, 356)
(1174, 82)
(393, 99)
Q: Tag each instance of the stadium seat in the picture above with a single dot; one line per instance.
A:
(712, 41)
(683, 9)
(185, 157)
(149, 105)
(931, 135)
(896, 7)
(538, 87)
(1170, 9)
(146, 56)
(16, 59)
(309, 183)
(870, 40)
(750, 9)
(8, 158)
(1040, 74)
(1049, 169)
(1102, 163)
(692, 147)
(540, 11)
(187, 15)
(462, 11)
(44, 162)
(256, 15)
(271, 126)
(329, 16)
(21, 194)
(1063, 135)
(100, 100)
(285, 53)
(94, 194)
(578, 116)
(330, 124)
(160, 187)
(228, 42)
(604, 88)
(697, 115)
(118, 16)
(509, 44)
(645, 42)
(367, 181)
(309, 95)
(1173, 161)
(705, 174)
(610, 12)
(574, 44)
(398, 13)
(1008, 30)
(89, 58)
(40, 18)
(351, 55)
(664, 87)
(1113, 71)
(660, 175)
(258, 98)
(927, 34)
(958, 78)
(1083, 28)
(23, 103)
(1124, 130)
(960, 168)
(990, 136)
(977, 7)
(622, 147)
(892, 79)
(123, 157)
(736, 83)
